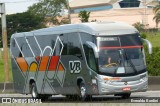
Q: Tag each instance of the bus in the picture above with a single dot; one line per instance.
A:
(86, 59)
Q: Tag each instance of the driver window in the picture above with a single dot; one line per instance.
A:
(108, 57)
(91, 60)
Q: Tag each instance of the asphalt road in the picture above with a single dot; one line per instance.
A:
(102, 98)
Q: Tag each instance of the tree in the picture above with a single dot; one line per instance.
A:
(21, 22)
(157, 18)
(139, 26)
(84, 15)
(48, 10)
(156, 10)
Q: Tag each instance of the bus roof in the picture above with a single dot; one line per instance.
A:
(94, 28)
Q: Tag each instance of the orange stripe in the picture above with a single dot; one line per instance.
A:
(53, 63)
(43, 64)
(60, 68)
(22, 64)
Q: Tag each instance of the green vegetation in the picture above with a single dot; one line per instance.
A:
(21, 22)
(154, 38)
(156, 10)
(84, 16)
(139, 26)
(153, 62)
(2, 79)
(50, 11)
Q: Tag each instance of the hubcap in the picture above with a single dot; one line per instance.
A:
(33, 92)
(83, 91)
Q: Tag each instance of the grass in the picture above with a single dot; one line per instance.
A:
(154, 38)
(2, 77)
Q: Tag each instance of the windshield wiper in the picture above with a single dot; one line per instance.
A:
(130, 62)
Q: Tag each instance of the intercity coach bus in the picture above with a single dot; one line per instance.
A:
(86, 59)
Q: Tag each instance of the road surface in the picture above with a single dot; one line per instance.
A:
(102, 98)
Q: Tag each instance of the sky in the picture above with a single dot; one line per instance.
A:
(17, 6)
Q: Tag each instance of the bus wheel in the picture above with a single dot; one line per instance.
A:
(34, 91)
(83, 94)
(126, 95)
(69, 97)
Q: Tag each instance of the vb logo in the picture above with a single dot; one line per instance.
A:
(75, 66)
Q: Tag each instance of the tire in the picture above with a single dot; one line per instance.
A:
(35, 94)
(45, 97)
(34, 91)
(83, 92)
(69, 97)
(126, 95)
(72, 97)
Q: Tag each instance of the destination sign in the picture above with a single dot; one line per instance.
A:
(108, 39)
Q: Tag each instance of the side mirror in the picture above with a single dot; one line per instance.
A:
(94, 47)
(149, 45)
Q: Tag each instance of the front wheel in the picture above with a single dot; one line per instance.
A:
(83, 92)
(126, 95)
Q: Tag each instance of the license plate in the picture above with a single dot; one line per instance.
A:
(126, 89)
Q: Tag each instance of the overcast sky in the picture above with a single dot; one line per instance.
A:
(17, 6)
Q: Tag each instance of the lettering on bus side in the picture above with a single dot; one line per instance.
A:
(75, 66)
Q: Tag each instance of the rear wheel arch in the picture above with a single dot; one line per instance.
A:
(31, 81)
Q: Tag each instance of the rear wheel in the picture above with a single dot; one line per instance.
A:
(35, 94)
(34, 91)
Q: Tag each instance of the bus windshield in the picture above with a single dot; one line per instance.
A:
(120, 55)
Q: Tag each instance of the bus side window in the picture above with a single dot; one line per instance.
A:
(65, 41)
(20, 54)
(90, 57)
(13, 43)
(89, 53)
(52, 45)
(74, 45)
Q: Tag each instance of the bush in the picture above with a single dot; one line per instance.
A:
(139, 26)
(143, 35)
(153, 61)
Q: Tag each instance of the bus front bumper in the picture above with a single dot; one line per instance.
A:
(122, 87)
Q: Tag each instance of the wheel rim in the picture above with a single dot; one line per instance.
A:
(83, 91)
(34, 93)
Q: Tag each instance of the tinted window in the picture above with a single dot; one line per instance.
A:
(108, 41)
(90, 57)
(129, 3)
(74, 45)
(24, 47)
(14, 48)
(65, 41)
(34, 45)
(47, 43)
(89, 53)
(130, 40)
